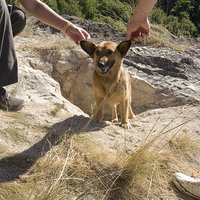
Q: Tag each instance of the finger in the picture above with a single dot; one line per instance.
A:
(137, 38)
(132, 41)
(81, 34)
(128, 34)
(144, 35)
(86, 34)
(78, 43)
(131, 36)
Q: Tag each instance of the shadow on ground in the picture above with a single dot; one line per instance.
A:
(13, 166)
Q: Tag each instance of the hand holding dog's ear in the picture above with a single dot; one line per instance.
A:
(77, 34)
(138, 29)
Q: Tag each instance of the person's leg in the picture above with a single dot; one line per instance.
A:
(18, 20)
(8, 61)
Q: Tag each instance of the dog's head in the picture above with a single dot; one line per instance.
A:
(106, 55)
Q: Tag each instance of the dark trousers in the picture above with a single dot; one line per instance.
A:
(12, 22)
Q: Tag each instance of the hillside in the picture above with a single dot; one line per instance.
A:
(52, 150)
(180, 17)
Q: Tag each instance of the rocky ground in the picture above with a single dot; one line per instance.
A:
(166, 96)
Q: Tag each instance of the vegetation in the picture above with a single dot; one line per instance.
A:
(180, 17)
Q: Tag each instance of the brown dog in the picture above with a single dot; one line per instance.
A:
(111, 81)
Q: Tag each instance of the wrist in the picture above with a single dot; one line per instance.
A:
(138, 15)
(66, 27)
(145, 6)
(140, 11)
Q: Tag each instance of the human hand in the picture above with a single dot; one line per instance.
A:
(138, 27)
(76, 33)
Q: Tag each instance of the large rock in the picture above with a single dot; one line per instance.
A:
(161, 77)
(173, 75)
(38, 89)
(158, 80)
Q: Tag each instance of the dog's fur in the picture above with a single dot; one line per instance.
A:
(111, 82)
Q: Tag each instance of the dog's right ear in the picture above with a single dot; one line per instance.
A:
(88, 47)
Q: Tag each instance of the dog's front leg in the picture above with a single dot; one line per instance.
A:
(99, 109)
(124, 106)
(131, 114)
(114, 113)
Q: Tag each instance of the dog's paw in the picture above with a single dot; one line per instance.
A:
(131, 116)
(126, 126)
(114, 120)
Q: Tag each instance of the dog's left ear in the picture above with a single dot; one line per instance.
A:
(123, 47)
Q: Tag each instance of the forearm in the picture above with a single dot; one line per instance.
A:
(145, 6)
(44, 13)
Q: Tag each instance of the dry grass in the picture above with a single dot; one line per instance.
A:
(15, 130)
(160, 37)
(77, 169)
(57, 108)
(48, 43)
(48, 46)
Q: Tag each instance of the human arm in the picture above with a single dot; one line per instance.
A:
(138, 27)
(45, 14)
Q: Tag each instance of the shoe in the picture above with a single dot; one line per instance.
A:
(9, 102)
(187, 184)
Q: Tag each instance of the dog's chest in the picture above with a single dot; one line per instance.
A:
(112, 88)
(114, 91)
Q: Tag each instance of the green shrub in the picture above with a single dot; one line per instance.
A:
(180, 26)
(157, 16)
(115, 9)
(88, 8)
(180, 17)
(187, 28)
(72, 8)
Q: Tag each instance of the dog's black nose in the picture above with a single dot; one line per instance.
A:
(101, 64)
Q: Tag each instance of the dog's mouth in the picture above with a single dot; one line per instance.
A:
(104, 68)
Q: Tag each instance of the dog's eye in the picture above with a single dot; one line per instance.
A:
(98, 52)
(110, 52)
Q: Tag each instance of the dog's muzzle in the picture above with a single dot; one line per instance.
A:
(105, 67)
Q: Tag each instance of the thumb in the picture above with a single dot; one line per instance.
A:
(129, 36)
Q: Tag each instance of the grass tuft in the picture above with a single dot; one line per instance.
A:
(57, 108)
(160, 37)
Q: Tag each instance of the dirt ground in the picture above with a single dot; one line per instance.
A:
(24, 135)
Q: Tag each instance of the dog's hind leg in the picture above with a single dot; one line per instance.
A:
(114, 113)
(131, 115)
